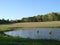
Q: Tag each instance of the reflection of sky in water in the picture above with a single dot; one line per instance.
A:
(37, 33)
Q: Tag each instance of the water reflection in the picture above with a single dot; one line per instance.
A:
(37, 33)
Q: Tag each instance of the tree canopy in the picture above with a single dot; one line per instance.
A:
(42, 18)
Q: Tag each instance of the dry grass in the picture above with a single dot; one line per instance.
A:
(51, 24)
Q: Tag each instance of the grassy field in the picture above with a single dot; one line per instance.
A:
(37, 24)
(52, 24)
(8, 40)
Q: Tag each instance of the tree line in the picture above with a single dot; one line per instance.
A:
(39, 18)
(42, 18)
(3, 21)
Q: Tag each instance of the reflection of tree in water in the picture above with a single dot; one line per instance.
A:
(50, 33)
(37, 34)
(38, 31)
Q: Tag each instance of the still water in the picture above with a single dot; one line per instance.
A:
(37, 33)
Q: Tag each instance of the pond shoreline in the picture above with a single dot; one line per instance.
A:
(20, 41)
(15, 28)
(36, 32)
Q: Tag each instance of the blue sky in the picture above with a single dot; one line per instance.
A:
(17, 9)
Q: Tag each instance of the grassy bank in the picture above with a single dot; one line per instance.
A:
(5, 40)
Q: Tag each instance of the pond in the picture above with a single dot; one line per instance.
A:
(36, 33)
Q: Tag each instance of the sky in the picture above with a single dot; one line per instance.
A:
(17, 9)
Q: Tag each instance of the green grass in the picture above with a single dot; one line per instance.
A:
(4, 29)
(6, 40)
